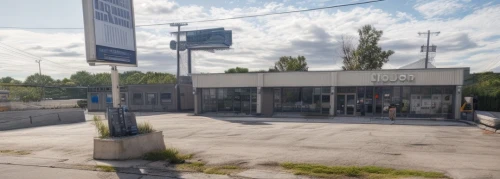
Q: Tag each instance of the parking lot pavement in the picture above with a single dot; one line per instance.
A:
(455, 148)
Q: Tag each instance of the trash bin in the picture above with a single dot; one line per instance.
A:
(392, 112)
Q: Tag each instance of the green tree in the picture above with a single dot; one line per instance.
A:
(237, 70)
(290, 64)
(83, 78)
(102, 79)
(368, 55)
(371, 56)
(38, 79)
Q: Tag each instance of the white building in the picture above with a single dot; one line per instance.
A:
(434, 92)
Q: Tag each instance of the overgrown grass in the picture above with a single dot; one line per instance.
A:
(323, 171)
(105, 168)
(170, 154)
(145, 128)
(201, 167)
(102, 129)
(15, 152)
(222, 170)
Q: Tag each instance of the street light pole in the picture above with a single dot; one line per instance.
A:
(178, 87)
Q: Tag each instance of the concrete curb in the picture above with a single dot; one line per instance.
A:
(481, 126)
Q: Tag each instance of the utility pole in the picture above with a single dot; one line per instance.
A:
(39, 66)
(177, 86)
(428, 40)
(40, 77)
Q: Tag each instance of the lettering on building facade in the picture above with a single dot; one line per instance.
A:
(386, 78)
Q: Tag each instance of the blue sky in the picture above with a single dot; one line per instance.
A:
(469, 33)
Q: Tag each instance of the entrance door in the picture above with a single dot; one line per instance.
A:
(346, 104)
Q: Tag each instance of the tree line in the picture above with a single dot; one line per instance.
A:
(74, 86)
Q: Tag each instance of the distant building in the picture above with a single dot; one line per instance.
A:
(161, 97)
(419, 64)
(4, 95)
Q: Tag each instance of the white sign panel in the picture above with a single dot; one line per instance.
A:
(110, 32)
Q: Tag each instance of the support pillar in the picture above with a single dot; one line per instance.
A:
(332, 101)
(196, 102)
(115, 87)
(457, 101)
(259, 100)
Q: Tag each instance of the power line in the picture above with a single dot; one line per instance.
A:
(206, 20)
(31, 56)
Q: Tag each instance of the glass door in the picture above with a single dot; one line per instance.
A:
(350, 104)
(346, 104)
(341, 104)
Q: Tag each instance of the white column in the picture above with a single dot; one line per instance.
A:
(115, 87)
(195, 95)
(259, 100)
(332, 100)
(458, 100)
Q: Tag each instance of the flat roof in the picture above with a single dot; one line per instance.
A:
(467, 68)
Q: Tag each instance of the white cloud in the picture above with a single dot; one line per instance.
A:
(437, 8)
(258, 42)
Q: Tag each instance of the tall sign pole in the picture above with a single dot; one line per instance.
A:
(428, 40)
(177, 86)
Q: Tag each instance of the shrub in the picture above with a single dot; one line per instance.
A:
(102, 129)
(145, 128)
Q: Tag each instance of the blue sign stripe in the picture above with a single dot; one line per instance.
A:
(116, 55)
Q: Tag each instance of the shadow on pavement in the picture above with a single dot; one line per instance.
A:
(339, 120)
(133, 168)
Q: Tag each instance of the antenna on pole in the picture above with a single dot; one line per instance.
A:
(428, 33)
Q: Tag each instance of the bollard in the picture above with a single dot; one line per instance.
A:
(31, 120)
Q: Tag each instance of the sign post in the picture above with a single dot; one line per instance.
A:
(110, 40)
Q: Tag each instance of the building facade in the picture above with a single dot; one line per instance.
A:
(417, 93)
(161, 97)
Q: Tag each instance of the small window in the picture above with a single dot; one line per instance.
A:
(151, 99)
(137, 99)
(166, 98)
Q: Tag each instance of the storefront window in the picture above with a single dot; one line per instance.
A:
(369, 100)
(360, 102)
(291, 100)
(277, 99)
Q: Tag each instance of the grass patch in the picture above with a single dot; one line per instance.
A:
(105, 168)
(191, 166)
(222, 170)
(171, 154)
(353, 171)
(201, 167)
(102, 129)
(145, 128)
(15, 152)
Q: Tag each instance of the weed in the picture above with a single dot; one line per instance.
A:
(192, 166)
(222, 170)
(170, 154)
(105, 168)
(145, 128)
(354, 171)
(102, 129)
(15, 152)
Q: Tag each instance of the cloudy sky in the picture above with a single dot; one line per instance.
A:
(470, 35)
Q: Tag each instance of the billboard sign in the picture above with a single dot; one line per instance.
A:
(209, 38)
(110, 32)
